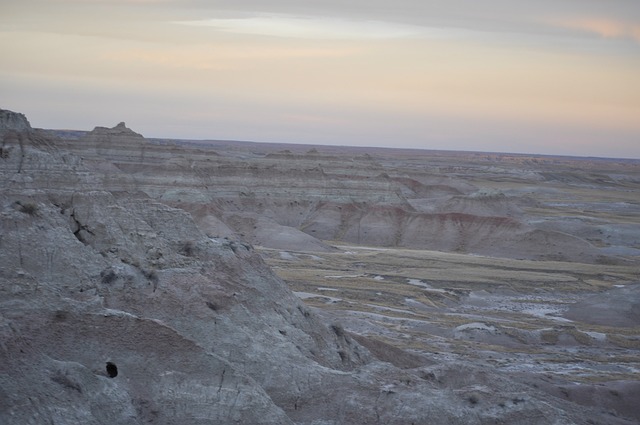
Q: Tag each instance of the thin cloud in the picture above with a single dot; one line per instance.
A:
(208, 57)
(293, 26)
(603, 27)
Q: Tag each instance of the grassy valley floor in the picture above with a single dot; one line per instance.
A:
(515, 315)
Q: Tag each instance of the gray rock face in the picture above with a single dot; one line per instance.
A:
(615, 307)
(13, 121)
(120, 130)
(199, 328)
(116, 144)
(136, 283)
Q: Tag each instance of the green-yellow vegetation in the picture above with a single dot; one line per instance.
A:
(411, 293)
(549, 336)
(580, 337)
(598, 283)
(624, 342)
(607, 377)
(538, 301)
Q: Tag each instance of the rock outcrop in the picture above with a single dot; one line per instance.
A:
(88, 278)
(15, 121)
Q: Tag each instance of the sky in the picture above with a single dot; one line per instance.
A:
(543, 77)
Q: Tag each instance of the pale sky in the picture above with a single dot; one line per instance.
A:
(544, 76)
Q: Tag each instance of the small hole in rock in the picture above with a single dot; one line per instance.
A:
(112, 370)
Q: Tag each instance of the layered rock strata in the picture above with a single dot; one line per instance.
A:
(116, 308)
(502, 206)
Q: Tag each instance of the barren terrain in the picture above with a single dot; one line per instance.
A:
(293, 196)
(235, 282)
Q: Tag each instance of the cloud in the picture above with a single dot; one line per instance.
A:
(313, 27)
(123, 2)
(604, 27)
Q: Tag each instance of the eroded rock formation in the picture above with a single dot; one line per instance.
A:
(199, 329)
(497, 206)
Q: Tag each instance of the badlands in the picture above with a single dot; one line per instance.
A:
(217, 282)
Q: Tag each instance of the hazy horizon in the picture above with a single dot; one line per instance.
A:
(502, 76)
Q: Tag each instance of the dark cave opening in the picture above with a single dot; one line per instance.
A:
(112, 370)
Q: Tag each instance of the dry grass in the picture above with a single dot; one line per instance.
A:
(414, 299)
